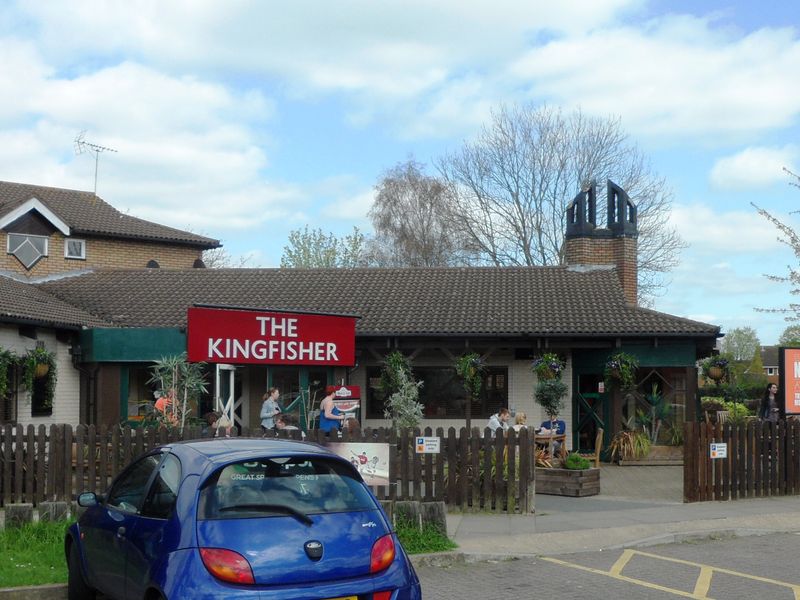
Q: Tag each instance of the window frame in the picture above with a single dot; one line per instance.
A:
(27, 237)
(146, 487)
(69, 256)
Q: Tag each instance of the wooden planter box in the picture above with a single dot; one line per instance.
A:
(661, 456)
(566, 482)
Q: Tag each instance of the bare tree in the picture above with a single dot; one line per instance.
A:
(410, 218)
(219, 258)
(511, 185)
(791, 238)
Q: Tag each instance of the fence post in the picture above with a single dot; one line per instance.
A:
(439, 485)
(19, 464)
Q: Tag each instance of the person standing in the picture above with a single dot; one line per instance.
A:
(330, 417)
(769, 409)
(269, 409)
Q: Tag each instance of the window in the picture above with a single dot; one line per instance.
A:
(442, 394)
(27, 249)
(164, 491)
(282, 486)
(74, 248)
(771, 370)
(128, 492)
(40, 405)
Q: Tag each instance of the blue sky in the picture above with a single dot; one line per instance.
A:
(245, 120)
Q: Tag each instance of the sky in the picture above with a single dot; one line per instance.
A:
(246, 120)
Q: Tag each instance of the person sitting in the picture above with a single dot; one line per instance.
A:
(553, 426)
(499, 421)
(520, 421)
(284, 422)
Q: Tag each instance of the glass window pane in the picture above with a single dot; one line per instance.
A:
(75, 249)
(164, 491)
(128, 492)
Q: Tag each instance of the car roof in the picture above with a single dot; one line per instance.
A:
(219, 451)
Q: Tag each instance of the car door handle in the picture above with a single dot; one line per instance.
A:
(121, 532)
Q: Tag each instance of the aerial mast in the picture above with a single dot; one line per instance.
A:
(81, 146)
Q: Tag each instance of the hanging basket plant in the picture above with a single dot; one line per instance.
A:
(620, 370)
(548, 366)
(40, 364)
(7, 360)
(715, 367)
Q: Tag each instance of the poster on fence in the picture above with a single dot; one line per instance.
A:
(789, 368)
(370, 459)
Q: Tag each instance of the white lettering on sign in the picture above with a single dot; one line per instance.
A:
(229, 349)
(285, 327)
(428, 445)
(719, 451)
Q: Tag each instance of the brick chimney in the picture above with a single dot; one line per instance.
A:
(585, 244)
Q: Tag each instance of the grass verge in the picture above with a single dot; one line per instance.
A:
(422, 541)
(33, 554)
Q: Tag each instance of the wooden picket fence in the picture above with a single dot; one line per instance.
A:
(763, 459)
(475, 471)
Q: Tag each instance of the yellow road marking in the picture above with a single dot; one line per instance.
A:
(702, 585)
(647, 584)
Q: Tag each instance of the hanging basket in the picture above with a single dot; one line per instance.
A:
(545, 374)
(615, 374)
(715, 373)
(41, 370)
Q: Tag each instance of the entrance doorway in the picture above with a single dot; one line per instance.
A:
(591, 410)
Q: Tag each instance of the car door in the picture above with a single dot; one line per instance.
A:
(105, 535)
(152, 538)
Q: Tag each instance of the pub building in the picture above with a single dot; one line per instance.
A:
(301, 330)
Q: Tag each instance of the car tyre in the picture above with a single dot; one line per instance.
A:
(76, 586)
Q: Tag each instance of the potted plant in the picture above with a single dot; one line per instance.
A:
(38, 363)
(469, 368)
(629, 444)
(620, 368)
(715, 367)
(577, 478)
(548, 366)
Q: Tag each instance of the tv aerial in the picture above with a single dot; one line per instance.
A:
(81, 146)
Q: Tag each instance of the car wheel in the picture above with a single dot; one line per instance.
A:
(76, 587)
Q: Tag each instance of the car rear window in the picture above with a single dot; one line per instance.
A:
(268, 486)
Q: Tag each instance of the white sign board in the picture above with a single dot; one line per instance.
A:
(371, 460)
(719, 450)
(428, 445)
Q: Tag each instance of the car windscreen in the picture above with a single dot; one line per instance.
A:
(293, 486)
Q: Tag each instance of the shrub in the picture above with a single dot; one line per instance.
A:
(549, 395)
(576, 462)
(548, 366)
(621, 367)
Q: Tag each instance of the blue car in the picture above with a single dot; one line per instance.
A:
(237, 518)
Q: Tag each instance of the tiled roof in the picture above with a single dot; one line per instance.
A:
(769, 356)
(87, 214)
(537, 301)
(25, 303)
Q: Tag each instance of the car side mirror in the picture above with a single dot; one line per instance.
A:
(87, 499)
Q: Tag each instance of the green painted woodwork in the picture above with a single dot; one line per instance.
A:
(143, 344)
(664, 355)
(124, 383)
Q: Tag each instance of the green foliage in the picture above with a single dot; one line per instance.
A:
(721, 361)
(548, 366)
(576, 462)
(30, 362)
(621, 368)
(7, 360)
(422, 540)
(658, 414)
(314, 249)
(401, 392)
(740, 343)
(182, 383)
(469, 368)
(790, 336)
(33, 554)
(549, 395)
(737, 409)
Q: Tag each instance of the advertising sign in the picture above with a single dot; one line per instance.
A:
(346, 398)
(370, 459)
(789, 364)
(239, 336)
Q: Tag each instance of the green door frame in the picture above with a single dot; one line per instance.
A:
(580, 400)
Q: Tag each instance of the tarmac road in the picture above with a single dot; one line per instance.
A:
(762, 566)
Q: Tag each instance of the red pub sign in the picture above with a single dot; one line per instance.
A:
(240, 336)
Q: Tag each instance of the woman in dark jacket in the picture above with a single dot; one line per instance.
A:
(769, 409)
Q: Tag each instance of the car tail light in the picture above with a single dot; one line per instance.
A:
(385, 595)
(382, 554)
(227, 565)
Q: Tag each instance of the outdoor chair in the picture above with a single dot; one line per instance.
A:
(598, 447)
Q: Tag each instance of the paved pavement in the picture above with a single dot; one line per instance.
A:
(638, 506)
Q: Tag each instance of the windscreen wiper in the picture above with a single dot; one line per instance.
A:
(302, 517)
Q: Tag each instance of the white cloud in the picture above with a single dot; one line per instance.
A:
(353, 208)
(753, 168)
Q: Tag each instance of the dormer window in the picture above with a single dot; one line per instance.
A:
(27, 248)
(75, 248)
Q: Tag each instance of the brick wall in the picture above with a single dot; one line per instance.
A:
(617, 251)
(101, 253)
